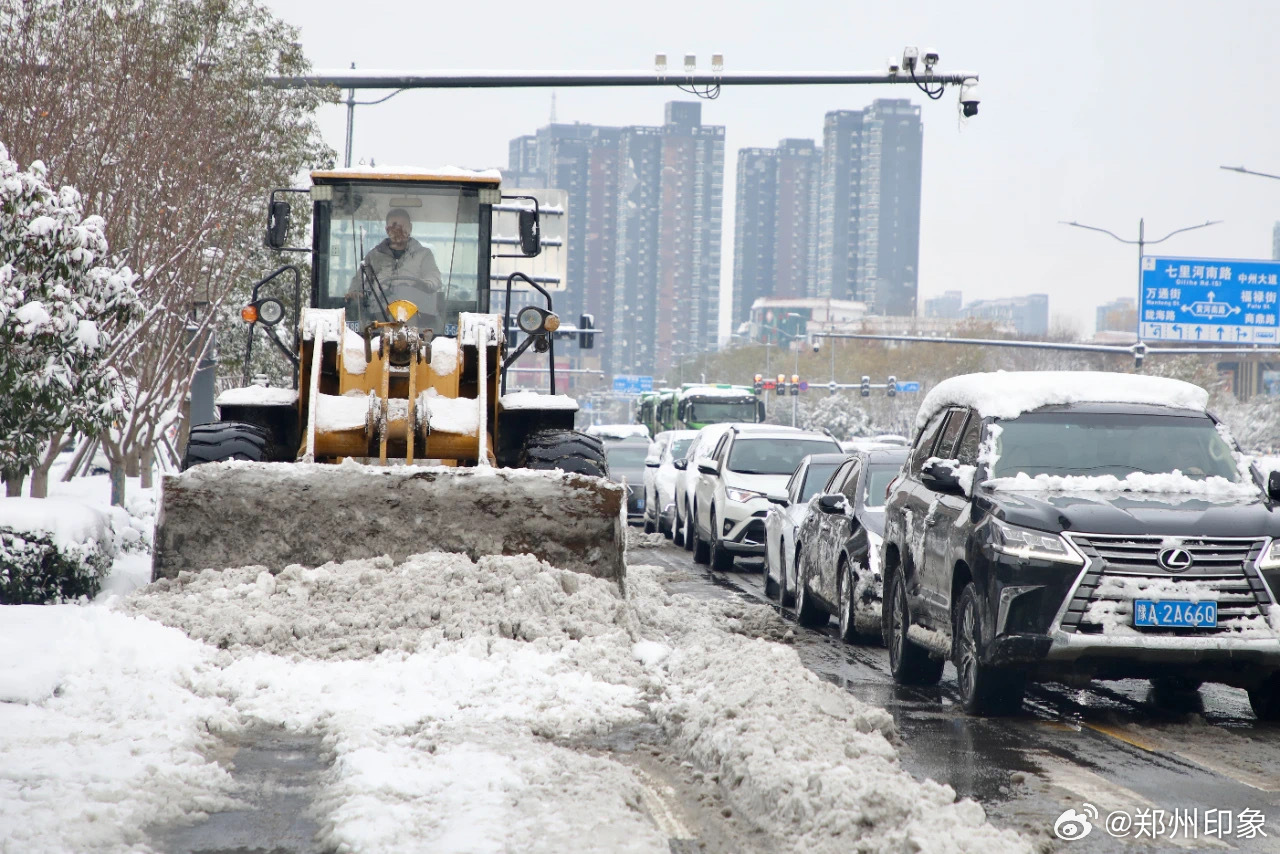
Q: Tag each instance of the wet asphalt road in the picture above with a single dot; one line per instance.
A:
(1114, 745)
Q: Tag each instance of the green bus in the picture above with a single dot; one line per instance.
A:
(695, 405)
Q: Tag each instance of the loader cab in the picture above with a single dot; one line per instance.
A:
(421, 237)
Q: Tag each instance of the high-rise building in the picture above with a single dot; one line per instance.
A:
(889, 207)
(1275, 242)
(644, 230)
(775, 224)
(869, 210)
(838, 204)
(754, 227)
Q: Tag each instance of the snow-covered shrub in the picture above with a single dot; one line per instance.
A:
(56, 295)
(52, 551)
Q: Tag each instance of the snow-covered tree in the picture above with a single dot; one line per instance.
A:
(59, 295)
(157, 111)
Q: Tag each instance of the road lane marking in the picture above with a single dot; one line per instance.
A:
(1119, 735)
(1107, 796)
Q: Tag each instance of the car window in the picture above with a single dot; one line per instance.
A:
(774, 455)
(679, 447)
(967, 453)
(878, 479)
(836, 480)
(818, 476)
(946, 447)
(849, 489)
(795, 483)
(924, 445)
(719, 452)
(625, 456)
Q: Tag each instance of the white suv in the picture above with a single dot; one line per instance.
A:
(730, 494)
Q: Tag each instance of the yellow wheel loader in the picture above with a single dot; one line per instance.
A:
(398, 436)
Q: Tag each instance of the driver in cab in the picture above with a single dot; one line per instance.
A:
(403, 267)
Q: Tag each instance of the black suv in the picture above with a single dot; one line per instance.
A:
(1073, 541)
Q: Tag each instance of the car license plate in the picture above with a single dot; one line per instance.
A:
(1175, 614)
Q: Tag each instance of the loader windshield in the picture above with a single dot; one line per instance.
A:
(387, 242)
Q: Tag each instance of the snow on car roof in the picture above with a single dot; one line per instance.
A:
(1008, 394)
(716, 391)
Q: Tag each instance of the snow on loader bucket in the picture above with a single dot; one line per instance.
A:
(274, 514)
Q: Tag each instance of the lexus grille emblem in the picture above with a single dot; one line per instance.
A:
(1175, 559)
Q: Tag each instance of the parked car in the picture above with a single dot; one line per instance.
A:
(838, 551)
(626, 465)
(729, 503)
(660, 479)
(784, 517)
(702, 446)
(1075, 526)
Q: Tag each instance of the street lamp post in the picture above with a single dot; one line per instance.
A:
(1141, 242)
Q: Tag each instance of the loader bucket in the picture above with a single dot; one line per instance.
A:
(237, 513)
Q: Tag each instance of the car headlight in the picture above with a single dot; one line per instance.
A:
(1271, 557)
(742, 495)
(1034, 545)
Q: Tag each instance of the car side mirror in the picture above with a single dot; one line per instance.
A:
(708, 466)
(940, 476)
(1273, 486)
(680, 465)
(278, 219)
(832, 503)
(530, 236)
(779, 498)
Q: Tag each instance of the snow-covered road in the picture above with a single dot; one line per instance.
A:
(461, 707)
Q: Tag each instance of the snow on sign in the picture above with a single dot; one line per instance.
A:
(1213, 300)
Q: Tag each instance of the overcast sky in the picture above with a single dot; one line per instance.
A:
(1100, 112)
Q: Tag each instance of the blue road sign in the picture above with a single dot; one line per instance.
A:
(632, 384)
(911, 386)
(804, 385)
(1210, 300)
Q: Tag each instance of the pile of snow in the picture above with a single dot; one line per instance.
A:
(257, 395)
(536, 400)
(640, 540)
(462, 702)
(1008, 394)
(359, 609)
(52, 550)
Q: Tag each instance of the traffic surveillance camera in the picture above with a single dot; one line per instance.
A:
(817, 345)
(930, 60)
(893, 65)
(969, 98)
(909, 57)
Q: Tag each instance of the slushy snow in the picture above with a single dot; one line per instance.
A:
(456, 698)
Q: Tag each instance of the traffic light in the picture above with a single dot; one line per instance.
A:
(759, 387)
(891, 388)
(795, 384)
(782, 384)
(586, 338)
(865, 391)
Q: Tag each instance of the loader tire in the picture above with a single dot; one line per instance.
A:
(226, 440)
(567, 450)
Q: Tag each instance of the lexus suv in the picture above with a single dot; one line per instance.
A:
(1075, 526)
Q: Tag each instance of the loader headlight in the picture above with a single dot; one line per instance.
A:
(270, 311)
(533, 320)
